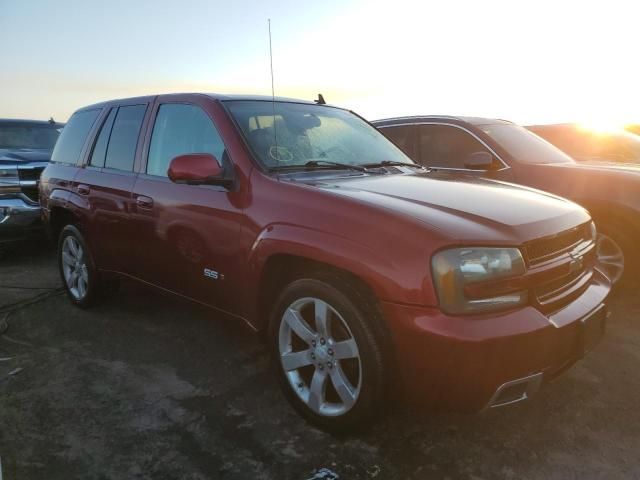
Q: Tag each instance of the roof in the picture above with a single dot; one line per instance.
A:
(23, 121)
(553, 125)
(263, 98)
(215, 96)
(439, 118)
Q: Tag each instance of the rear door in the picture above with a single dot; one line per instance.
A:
(188, 235)
(106, 182)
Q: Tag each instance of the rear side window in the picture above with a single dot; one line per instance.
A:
(100, 148)
(73, 136)
(121, 149)
(181, 129)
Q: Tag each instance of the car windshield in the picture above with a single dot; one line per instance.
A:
(587, 145)
(283, 135)
(524, 146)
(29, 136)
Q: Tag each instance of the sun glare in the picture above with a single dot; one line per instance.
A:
(603, 126)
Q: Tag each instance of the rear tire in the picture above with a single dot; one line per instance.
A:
(77, 271)
(325, 352)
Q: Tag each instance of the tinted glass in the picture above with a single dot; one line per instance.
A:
(73, 136)
(121, 150)
(446, 147)
(306, 132)
(181, 129)
(403, 137)
(100, 148)
(36, 136)
(524, 146)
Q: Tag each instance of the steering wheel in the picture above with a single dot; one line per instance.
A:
(280, 154)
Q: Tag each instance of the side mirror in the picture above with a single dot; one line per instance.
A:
(480, 161)
(197, 169)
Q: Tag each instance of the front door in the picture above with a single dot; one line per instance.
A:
(449, 147)
(187, 235)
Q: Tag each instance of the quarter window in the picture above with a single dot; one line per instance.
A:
(73, 137)
(121, 150)
(446, 147)
(181, 129)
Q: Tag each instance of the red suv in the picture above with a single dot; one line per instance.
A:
(364, 269)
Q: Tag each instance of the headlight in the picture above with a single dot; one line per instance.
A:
(9, 181)
(458, 270)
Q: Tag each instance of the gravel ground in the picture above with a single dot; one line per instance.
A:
(146, 386)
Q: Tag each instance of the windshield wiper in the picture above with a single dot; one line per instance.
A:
(319, 163)
(393, 163)
(311, 164)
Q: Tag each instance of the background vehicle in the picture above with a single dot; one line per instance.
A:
(501, 150)
(362, 268)
(591, 146)
(25, 149)
(634, 128)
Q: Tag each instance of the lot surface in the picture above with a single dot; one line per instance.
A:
(148, 387)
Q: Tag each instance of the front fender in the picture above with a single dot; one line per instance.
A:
(390, 278)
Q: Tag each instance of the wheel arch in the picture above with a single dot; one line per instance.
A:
(280, 269)
(283, 268)
(60, 217)
(282, 251)
(609, 212)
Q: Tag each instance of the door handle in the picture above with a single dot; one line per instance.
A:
(144, 202)
(83, 189)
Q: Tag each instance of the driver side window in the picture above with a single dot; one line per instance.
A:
(446, 147)
(182, 129)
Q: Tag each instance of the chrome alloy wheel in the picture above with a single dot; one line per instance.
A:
(74, 268)
(322, 363)
(610, 257)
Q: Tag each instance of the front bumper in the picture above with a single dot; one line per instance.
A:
(18, 219)
(467, 363)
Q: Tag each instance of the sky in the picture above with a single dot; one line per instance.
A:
(527, 61)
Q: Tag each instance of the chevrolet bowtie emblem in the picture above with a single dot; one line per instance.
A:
(577, 262)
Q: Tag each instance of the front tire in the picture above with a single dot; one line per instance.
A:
(77, 271)
(326, 355)
(615, 253)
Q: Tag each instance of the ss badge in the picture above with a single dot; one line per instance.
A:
(212, 274)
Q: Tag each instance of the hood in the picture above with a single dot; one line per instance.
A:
(465, 209)
(25, 155)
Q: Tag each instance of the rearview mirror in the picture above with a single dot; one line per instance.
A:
(480, 161)
(197, 169)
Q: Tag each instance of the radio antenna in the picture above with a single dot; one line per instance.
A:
(273, 99)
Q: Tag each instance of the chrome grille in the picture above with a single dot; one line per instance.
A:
(29, 178)
(575, 250)
(544, 249)
(562, 290)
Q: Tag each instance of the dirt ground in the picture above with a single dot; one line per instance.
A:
(146, 386)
